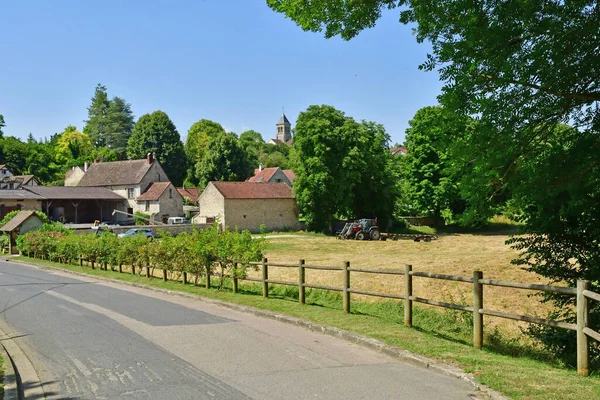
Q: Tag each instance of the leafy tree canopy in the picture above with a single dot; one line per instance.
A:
(225, 160)
(2, 125)
(196, 144)
(73, 144)
(156, 133)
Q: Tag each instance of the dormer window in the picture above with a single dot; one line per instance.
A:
(130, 193)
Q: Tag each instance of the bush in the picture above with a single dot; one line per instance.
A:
(141, 218)
(225, 252)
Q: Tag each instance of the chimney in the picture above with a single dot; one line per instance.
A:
(96, 161)
(260, 167)
(149, 158)
(85, 166)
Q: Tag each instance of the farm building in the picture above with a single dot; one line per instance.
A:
(20, 224)
(248, 205)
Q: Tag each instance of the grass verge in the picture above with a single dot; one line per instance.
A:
(517, 371)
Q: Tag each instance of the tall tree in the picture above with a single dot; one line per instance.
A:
(225, 160)
(119, 124)
(96, 123)
(156, 133)
(196, 145)
(431, 183)
(2, 125)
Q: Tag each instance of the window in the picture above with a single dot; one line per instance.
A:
(147, 205)
(129, 210)
(170, 193)
(130, 193)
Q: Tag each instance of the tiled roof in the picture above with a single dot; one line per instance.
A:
(19, 194)
(289, 174)
(254, 190)
(398, 150)
(190, 193)
(72, 193)
(17, 220)
(115, 173)
(264, 175)
(276, 141)
(154, 191)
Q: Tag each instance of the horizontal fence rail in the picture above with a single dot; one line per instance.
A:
(582, 292)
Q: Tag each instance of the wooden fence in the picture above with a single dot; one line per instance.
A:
(584, 332)
(582, 293)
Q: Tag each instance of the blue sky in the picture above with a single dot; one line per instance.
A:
(232, 61)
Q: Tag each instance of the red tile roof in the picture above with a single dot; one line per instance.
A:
(398, 150)
(190, 193)
(291, 175)
(264, 175)
(254, 190)
(154, 191)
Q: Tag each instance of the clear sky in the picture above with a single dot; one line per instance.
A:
(232, 61)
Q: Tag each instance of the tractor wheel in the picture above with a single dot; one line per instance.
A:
(361, 236)
(375, 234)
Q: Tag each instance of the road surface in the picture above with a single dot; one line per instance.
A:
(91, 339)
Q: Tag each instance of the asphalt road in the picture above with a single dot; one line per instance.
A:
(89, 339)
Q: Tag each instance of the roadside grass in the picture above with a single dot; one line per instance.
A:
(516, 370)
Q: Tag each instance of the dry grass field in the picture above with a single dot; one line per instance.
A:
(455, 254)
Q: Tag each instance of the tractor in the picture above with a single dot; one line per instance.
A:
(362, 229)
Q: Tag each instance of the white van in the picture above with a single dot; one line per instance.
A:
(176, 220)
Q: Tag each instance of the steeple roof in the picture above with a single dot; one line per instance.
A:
(283, 120)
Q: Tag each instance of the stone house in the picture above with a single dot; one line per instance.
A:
(161, 201)
(130, 179)
(10, 181)
(18, 199)
(21, 223)
(248, 205)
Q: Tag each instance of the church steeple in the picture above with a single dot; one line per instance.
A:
(284, 129)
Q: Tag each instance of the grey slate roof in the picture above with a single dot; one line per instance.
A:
(115, 173)
(71, 193)
(18, 194)
(283, 120)
(18, 220)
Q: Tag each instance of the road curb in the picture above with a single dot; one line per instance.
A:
(364, 341)
(11, 389)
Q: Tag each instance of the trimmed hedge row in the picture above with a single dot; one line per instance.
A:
(200, 253)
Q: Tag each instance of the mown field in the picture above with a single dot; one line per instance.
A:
(455, 254)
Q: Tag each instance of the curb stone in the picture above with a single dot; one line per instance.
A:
(11, 390)
(483, 392)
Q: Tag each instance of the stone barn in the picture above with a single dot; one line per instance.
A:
(248, 205)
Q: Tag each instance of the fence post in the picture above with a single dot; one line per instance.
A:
(265, 277)
(81, 261)
(184, 278)
(407, 294)
(120, 268)
(164, 275)
(346, 286)
(132, 269)
(301, 281)
(583, 319)
(477, 305)
(93, 265)
(147, 271)
(208, 277)
(234, 279)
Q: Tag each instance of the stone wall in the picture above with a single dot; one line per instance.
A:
(275, 214)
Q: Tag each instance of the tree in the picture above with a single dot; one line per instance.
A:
(196, 144)
(431, 185)
(343, 168)
(2, 125)
(96, 123)
(15, 154)
(156, 133)
(73, 145)
(224, 160)
(119, 124)
(109, 122)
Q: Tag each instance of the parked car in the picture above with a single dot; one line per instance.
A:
(176, 220)
(137, 232)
